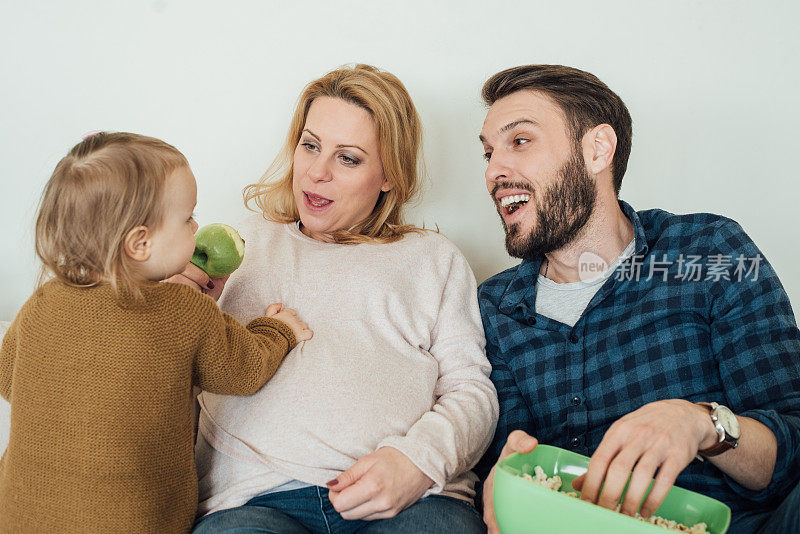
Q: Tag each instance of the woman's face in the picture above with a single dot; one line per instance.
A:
(338, 174)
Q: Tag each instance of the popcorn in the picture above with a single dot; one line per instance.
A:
(540, 478)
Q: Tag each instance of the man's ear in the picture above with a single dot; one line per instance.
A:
(599, 144)
(138, 244)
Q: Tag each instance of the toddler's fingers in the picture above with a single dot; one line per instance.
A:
(273, 309)
(304, 335)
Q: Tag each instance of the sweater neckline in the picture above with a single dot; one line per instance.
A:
(295, 232)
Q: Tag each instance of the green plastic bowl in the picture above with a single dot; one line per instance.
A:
(521, 506)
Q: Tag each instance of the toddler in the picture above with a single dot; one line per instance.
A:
(100, 362)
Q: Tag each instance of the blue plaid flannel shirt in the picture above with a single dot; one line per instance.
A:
(696, 314)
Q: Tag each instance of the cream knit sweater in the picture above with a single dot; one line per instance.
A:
(397, 359)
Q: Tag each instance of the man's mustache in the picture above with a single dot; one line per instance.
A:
(510, 185)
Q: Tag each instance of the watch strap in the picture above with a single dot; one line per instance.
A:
(717, 448)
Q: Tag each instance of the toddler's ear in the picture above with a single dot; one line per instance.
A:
(137, 244)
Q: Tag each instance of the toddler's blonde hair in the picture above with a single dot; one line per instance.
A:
(108, 184)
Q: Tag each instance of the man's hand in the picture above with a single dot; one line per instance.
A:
(664, 436)
(518, 441)
(194, 277)
(378, 486)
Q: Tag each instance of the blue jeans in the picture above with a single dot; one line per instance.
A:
(309, 511)
(785, 518)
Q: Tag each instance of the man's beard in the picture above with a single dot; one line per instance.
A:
(562, 211)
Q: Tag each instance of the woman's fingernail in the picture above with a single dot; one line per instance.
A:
(332, 482)
(210, 285)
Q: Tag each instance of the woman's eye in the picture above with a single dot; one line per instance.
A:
(308, 145)
(349, 160)
(520, 141)
(487, 156)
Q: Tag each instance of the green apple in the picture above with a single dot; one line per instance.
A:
(219, 249)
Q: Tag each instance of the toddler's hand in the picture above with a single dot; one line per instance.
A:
(289, 316)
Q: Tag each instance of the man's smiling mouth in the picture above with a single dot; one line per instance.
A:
(514, 202)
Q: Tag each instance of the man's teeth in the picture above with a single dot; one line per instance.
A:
(505, 201)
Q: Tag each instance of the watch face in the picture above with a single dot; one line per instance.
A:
(728, 421)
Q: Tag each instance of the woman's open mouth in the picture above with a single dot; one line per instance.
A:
(316, 202)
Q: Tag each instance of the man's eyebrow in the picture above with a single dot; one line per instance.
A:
(315, 136)
(511, 125)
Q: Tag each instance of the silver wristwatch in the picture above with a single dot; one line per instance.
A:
(727, 426)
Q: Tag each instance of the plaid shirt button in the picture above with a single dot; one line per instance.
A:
(575, 443)
(573, 338)
(531, 320)
(576, 401)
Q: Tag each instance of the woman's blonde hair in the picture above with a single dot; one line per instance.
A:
(108, 184)
(399, 139)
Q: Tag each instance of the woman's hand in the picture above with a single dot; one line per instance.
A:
(378, 486)
(196, 278)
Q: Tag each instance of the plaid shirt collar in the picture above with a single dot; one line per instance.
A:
(521, 290)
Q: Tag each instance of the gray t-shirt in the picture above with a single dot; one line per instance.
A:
(565, 302)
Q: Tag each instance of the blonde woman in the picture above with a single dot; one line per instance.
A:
(374, 424)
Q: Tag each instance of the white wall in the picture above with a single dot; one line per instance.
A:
(712, 87)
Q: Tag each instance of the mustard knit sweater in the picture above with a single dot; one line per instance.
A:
(102, 413)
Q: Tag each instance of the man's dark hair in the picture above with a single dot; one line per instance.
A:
(584, 99)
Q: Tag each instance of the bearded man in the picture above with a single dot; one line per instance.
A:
(661, 345)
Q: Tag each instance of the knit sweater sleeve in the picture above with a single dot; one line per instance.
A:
(450, 438)
(8, 351)
(235, 360)
(8, 355)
